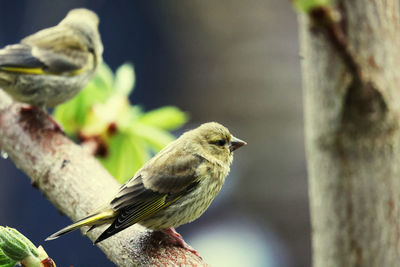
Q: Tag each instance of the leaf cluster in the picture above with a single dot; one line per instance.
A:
(126, 135)
(16, 248)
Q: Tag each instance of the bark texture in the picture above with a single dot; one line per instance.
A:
(352, 102)
(77, 184)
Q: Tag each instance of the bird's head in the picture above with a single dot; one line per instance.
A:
(214, 140)
(81, 15)
(86, 22)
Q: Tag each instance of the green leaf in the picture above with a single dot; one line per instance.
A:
(13, 246)
(307, 5)
(125, 156)
(104, 77)
(167, 118)
(124, 79)
(17, 235)
(72, 114)
(156, 138)
(6, 261)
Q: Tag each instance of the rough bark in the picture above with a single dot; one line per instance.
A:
(351, 99)
(77, 184)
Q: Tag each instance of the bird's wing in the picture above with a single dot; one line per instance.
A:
(146, 204)
(163, 175)
(171, 172)
(19, 58)
(135, 201)
(53, 50)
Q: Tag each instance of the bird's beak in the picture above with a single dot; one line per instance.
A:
(236, 143)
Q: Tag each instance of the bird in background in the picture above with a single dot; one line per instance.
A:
(51, 66)
(175, 187)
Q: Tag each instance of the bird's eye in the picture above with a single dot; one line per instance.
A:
(221, 142)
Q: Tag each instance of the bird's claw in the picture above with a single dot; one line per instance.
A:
(174, 238)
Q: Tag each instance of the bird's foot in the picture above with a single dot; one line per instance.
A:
(41, 115)
(56, 126)
(174, 238)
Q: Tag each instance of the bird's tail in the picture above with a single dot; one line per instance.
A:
(93, 219)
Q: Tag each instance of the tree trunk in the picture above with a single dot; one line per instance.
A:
(352, 100)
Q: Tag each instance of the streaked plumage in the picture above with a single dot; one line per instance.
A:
(51, 66)
(173, 188)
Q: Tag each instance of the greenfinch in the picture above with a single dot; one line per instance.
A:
(51, 66)
(175, 187)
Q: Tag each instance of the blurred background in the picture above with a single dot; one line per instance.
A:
(235, 62)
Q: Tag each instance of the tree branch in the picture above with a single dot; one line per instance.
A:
(72, 180)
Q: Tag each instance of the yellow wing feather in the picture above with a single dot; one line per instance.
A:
(90, 220)
(24, 70)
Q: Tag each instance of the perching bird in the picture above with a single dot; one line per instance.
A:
(51, 66)
(173, 188)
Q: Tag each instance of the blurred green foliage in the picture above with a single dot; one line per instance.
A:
(16, 248)
(307, 5)
(128, 135)
(6, 261)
